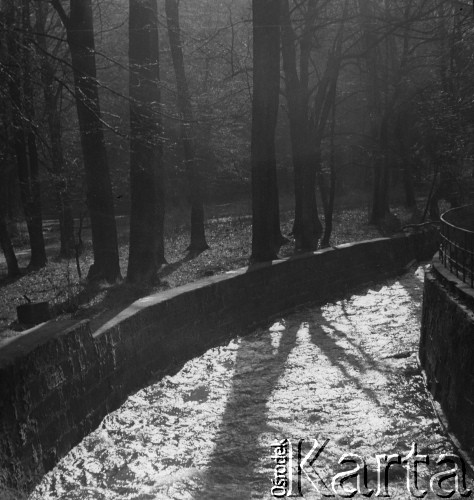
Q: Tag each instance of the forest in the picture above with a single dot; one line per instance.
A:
(131, 109)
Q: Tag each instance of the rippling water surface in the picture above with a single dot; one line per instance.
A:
(345, 372)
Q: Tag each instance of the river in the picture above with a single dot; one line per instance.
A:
(344, 374)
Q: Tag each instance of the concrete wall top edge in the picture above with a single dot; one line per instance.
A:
(463, 290)
(163, 296)
(29, 340)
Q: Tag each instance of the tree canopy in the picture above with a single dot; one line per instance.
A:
(312, 99)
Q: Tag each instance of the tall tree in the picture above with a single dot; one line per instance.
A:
(329, 208)
(52, 98)
(324, 105)
(6, 164)
(451, 110)
(198, 238)
(378, 125)
(80, 38)
(17, 19)
(146, 177)
(307, 227)
(308, 115)
(266, 235)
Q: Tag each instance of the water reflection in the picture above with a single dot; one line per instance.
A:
(345, 371)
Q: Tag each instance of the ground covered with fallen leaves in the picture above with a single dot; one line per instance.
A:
(228, 231)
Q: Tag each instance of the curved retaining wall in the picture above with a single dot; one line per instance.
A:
(59, 381)
(447, 351)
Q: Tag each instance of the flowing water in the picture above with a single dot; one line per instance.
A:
(344, 372)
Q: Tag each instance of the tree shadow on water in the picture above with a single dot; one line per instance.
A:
(337, 362)
(244, 436)
(351, 365)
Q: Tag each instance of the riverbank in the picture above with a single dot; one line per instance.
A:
(228, 231)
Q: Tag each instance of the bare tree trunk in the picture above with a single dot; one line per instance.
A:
(53, 118)
(379, 206)
(5, 240)
(6, 154)
(7, 248)
(34, 216)
(266, 235)
(30, 189)
(145, 143)
(410, 199)
(80, 38)
(24, 139)
(329, 210)
(307, 227)
(198, 238)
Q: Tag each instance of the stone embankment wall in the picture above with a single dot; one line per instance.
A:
(59, 381)
(447, 351)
